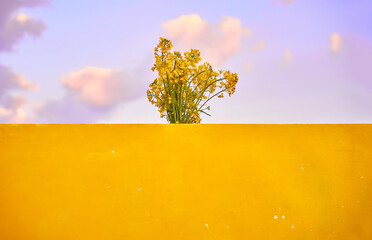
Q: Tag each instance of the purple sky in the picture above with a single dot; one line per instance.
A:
(88, 61)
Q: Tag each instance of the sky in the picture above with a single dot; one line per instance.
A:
(89, 61)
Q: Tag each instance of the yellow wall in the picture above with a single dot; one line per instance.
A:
(98, 182)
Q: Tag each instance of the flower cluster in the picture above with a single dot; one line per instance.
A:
(183, 86)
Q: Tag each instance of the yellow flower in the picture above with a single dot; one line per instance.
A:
(180, 76)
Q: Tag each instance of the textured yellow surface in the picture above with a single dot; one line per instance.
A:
(64, 182)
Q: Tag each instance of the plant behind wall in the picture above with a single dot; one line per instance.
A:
(183, 86)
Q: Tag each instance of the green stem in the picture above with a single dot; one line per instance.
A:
(201, 96)
(212, 97)
(187, 91)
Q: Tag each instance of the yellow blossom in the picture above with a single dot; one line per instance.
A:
(182, 83)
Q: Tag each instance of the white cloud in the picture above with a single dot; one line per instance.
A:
(217, 42)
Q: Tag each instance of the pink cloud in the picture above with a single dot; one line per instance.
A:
(12, 109)
(217, 42)
(7, 7)
(67, 110)
(12, 29)
(282, 2)
(258, 46)
(99, 87)
(287, 58)
(314, 87)
(92, 94)
(336, 43)
(17, 27)
(13, 81)
(247, 67)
